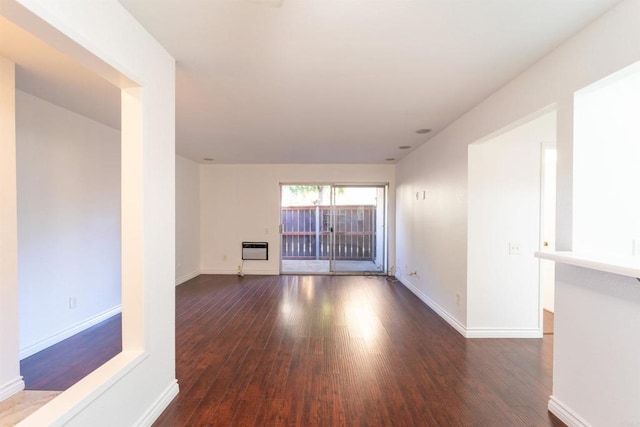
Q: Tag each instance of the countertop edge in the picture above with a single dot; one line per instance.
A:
(625, 266)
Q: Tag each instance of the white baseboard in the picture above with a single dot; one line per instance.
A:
(565, 414)
(435, 307)
(63, 335)
(246, 272)
(12, 387)
(503, 333)
(186, 277)
(160, 404)
(469, 333)
(217, 271)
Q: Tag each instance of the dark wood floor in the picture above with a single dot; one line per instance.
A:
(64, 364)
(547, 322)
(319, 350)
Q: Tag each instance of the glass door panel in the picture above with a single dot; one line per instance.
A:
(359, 229)
(305, 212)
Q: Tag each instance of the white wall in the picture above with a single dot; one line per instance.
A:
(432, 236)
(136, 385)
(10, 379)
(606, 172)
(596, 372)
(187, 219)
(68, 222)
(242, 203)
(504, 209)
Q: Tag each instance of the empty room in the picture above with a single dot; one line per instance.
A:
(292, 212)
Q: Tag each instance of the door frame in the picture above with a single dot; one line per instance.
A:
(545, 264)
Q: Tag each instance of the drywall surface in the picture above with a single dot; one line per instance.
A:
(187, 219)
(134, 387)
(595, 365)
(10, 379)
(68, 221)
(432, 236)
(242, 203)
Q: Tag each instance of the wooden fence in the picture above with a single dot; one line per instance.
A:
(306, 232)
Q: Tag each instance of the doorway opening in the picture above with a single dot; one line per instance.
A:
(504, 295)
(333, 229)
(548, 233)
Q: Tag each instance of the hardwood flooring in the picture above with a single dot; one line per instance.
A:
(67, 362)
(322, 350)
(345, 350)
(547, 322)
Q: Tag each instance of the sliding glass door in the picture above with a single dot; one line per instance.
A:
(333, 229)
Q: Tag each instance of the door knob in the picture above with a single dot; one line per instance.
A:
(545, 244)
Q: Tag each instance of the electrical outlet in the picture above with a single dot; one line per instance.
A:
(224, 257)
(457, 298)
(73, 303)
(514, 248)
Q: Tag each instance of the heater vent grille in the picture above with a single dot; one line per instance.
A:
(255, 251)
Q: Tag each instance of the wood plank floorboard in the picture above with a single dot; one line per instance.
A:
(63, 364)
(343, 350)
(323, 351)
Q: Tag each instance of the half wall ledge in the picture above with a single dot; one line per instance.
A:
(623, 265)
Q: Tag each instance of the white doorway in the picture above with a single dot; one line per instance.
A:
(504, 296)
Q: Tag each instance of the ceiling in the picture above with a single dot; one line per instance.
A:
(343, 81)
(331, 81)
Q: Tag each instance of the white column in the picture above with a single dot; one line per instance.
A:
(10, 379)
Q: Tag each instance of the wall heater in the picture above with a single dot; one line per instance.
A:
(255, 250)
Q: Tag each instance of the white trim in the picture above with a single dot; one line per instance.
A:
(218, 271)
(70, 403)
(159, 405)
(503, 333)
(435, 307)
(469, 333)
(63, 335)
(565, 414)
(186, 277)
(245, 272)
(10, 388)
